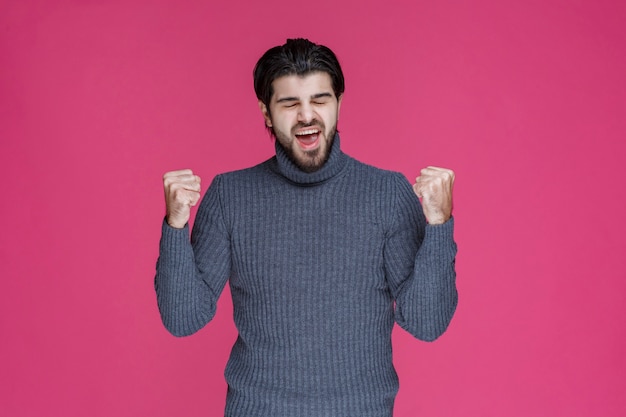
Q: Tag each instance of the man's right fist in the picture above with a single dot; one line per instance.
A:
(182, 191)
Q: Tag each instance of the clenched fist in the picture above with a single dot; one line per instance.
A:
(434, 188)
(182, 191)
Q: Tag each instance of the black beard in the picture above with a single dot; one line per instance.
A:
(315, 161)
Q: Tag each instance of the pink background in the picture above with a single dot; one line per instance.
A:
(524, 100)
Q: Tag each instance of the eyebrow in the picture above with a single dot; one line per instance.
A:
(314, 96)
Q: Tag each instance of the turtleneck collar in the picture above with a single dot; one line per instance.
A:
(285, 167)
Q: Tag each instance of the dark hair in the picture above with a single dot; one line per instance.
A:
(299, 57)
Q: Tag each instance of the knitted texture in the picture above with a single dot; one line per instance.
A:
(320, 265)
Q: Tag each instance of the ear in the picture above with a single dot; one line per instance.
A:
(266, 114)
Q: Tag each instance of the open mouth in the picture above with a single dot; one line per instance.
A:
(308, 138)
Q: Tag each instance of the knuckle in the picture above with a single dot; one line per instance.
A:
(174, 186)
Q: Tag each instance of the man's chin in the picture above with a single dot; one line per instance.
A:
(309, 161)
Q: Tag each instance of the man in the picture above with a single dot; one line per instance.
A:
(322, 253)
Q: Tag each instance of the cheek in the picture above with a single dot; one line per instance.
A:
(283, 119)
(330, 118)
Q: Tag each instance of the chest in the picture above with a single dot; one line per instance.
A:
(296, 237)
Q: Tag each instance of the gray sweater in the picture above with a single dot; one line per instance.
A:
(320, 265)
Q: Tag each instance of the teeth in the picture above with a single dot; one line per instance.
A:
(308, 132)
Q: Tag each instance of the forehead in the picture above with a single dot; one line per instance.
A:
(302, 86)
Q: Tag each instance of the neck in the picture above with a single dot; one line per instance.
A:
(331, 167)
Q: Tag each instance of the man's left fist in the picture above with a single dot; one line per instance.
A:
(434, 188)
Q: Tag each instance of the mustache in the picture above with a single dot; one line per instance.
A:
(315, 123)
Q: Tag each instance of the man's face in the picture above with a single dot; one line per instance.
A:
(303, 115)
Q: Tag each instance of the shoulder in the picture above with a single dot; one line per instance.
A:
(387, 178)
(392, 193)
(245, 175)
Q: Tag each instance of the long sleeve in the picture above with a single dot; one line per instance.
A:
(420, 266)
(191, 275)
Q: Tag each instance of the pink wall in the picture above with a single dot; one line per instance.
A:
(526, 101)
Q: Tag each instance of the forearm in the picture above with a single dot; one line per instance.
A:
(185, 301)
(427, 300)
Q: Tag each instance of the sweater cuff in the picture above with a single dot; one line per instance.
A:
(441, 231)
(173, 232)
(439, 238)
(174, 245)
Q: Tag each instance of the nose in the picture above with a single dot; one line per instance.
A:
(305, 113)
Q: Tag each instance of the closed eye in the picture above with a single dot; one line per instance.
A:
(321, 98)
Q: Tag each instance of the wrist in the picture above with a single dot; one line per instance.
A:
(176, 224)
